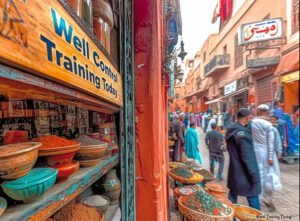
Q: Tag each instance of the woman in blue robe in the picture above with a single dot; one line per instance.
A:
(191, 144)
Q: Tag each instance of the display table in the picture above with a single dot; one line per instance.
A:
(60, 194)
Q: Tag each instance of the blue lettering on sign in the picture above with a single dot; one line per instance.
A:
(72, 64)
(61, 28)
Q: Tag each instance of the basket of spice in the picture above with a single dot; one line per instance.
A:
(182, 191)
(207, 176)
(176, 164)
(101, 203)
(91, 150)
(202, 206)
(216, 190)
(245, 213)
(54, 145)
(186, 176)
(78, 212)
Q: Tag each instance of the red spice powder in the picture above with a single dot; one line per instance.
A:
(52, 141)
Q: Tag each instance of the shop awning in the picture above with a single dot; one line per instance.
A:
(288, 63)
(213, 101)
(235, 93)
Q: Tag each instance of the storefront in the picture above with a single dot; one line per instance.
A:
(264, 80)
(214, 105)
(61, 77)
(288, 70)
(235, 96)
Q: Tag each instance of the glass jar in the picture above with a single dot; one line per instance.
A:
(107, 37)
(88, 13)
(99, 29)
(76, 6)
(104, 17)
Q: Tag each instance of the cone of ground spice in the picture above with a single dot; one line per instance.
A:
(78, 212)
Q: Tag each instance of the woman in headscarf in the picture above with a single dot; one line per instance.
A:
(191, 144)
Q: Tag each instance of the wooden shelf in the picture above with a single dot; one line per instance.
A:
(60, 194)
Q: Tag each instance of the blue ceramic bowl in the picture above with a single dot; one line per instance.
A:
(31, 186)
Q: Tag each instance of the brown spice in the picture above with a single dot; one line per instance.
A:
(77, 212)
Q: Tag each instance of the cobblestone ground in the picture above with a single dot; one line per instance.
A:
(286, 201)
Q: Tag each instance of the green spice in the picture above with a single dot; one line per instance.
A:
(182, 172)
(205, 203)
(206, 174)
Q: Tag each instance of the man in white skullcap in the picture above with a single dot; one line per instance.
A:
(263, 141)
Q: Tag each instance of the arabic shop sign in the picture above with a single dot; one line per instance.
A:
(230, 88)
(40, 36)
(261, 31)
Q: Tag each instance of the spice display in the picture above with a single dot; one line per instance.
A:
(205, 203)
(52, 141)
(206, 174)
(77, 212)
(15, 136)
(86, 141)
(182, 172)
(176, 164)
(95, 200)
(216, 187)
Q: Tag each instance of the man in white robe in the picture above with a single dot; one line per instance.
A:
(264, 147)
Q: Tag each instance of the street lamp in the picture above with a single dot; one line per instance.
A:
(182, 53)
(179, 76)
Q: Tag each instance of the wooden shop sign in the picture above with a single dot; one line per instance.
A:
(40, 36)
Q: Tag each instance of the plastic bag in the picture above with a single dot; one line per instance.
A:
(272, 181)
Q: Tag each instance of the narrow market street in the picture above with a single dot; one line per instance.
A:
(286, 201)
(105, 106)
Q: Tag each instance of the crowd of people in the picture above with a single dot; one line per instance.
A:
(255, 145)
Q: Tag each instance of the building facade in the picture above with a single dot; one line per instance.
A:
(178, 104)
(235, 74)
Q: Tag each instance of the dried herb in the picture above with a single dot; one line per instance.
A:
(205, 203)
(206, 174)
(182, 172)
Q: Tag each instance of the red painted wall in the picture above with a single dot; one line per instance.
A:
(151, 113)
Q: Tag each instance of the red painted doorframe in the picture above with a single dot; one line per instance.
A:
(151, 113)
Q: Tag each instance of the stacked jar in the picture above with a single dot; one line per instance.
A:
(84, 10)
(76, 6)
(103, 22)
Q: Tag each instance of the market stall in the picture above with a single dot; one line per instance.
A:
(60, 100)
(198, 197)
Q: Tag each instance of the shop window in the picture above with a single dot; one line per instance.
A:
(177, 96)
(295, 16)
(238, 53)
